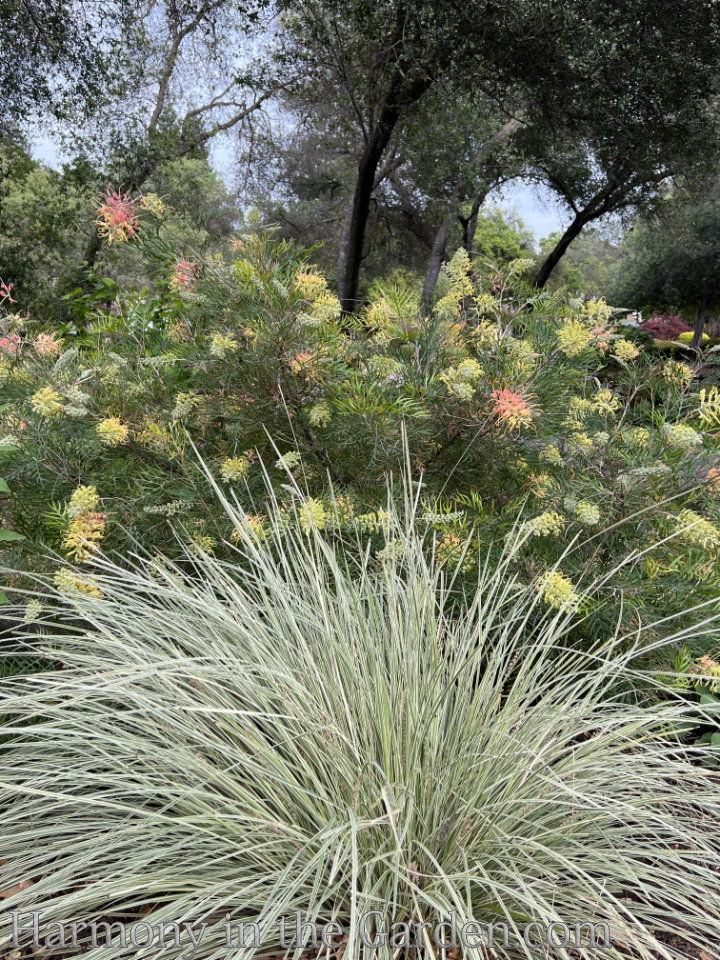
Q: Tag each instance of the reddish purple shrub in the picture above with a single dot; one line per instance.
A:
(665, 326)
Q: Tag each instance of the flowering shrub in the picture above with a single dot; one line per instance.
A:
(243, 361)
(665, 326)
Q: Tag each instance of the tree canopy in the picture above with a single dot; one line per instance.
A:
(674, 253)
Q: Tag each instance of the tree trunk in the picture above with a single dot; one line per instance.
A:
(559, 250)
(469, 225)
(699, 322)
(465, 224)
(91, 251)
(351, 249)
(469, 233)
(486, 154)
(438, 253)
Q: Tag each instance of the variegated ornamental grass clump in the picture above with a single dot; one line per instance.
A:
(299, 730)
(245, 354)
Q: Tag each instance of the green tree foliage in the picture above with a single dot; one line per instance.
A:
(387, 58)
(305, 177)
(502, 237)
(591, 264)
(60, 56)
(47, 220)
(673, 254)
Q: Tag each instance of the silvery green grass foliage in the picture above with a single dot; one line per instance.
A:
(302, 730)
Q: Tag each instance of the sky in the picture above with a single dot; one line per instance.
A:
(535, 206)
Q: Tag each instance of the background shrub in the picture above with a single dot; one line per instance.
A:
(557, 411)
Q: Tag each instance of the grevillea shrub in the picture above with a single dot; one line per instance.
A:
(298, 731)
(552, 410)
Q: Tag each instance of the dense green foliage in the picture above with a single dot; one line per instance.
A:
(46, 225)
(673, 253)
(238, 363)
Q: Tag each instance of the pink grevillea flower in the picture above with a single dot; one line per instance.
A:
(46, 345)
(601, 338)
(512, 408)
(10, 344)
(183, 277)
(5, 292)
(713, 479)
(303, 364)
(117, 217)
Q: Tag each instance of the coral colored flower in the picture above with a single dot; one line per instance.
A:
(512, 408)
(5, 292)
(184, 276)
(601, 338)
(46, 345)
(713, 479)
(10, 344)
(302, 364)
(117, 219)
